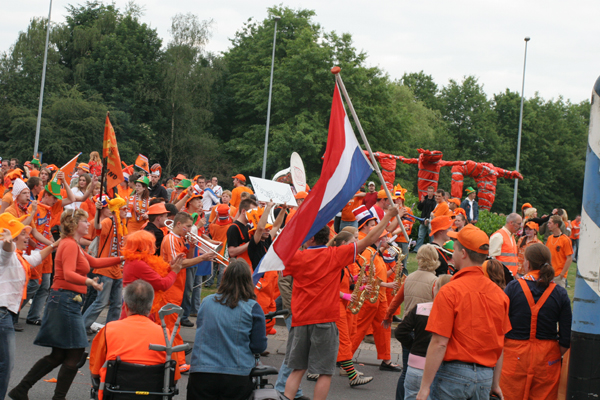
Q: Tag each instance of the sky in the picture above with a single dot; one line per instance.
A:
(445, 39)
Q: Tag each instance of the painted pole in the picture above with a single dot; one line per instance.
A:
(264, 170)
(514, 209)
(584, 366)
(39, 117)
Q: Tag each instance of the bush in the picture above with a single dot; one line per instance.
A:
(490, 222)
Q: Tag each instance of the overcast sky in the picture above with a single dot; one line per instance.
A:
(445, 39)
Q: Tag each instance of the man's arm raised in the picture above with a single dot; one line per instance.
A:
(376, 232)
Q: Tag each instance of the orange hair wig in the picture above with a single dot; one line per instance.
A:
(140, 242)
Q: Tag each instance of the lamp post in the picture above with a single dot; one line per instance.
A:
(264, 169)
(514, 209)
(39, 116)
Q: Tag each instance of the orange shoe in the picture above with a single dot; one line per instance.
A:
(184, 368)
(272, 331)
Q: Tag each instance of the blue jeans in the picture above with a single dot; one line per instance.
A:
(344, 224)
(285, 371)
(39, 299)
(191, 296)
(7, 349)
(423, 231)
(400, 395)
(221, 272)
(412, 384)
(32, 288)
(456, 380)
(111, 295)
(575, 243)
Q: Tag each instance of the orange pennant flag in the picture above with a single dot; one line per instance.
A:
(142, 162)
(114, 173)
(68, 169)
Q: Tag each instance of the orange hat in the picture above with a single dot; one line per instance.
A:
(157, 209)
(382, 195)
(267, 226)
(532, 225)
(301, 195)
(399, 191)
(195, 194)
(240, 177)
(440, 223)
(525, 206)
(460, 210)
(180, 177)
(84, 167)
(13, 224)
(455, 201)
(472, 238)
(223, 217)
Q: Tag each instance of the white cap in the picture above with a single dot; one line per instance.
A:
(18, 187)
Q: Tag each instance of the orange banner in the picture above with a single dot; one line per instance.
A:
(142, 162)
(114, 174)
(68, 169)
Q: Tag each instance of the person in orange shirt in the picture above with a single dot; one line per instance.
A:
(408, 223)
(575, 229)
(239, 186)
(465, 358)
(561, 250)
(172, 246)
(128, 339)
(300, 196)
(348, 218)
(238, 236)
(112, 231)
(218, 231)
(139, 202)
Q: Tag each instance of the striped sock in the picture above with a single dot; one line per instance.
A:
(349, 368)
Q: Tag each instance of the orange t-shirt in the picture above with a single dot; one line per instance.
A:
(124, 193)
(236, 195)
(57, 210)
(219, 233)
(560, 248)
(575, 228)
(347, 214)
(316, 288)
(41, 221)
(16, 211)
(7, 198)
(408, 224)
(472, 311)
(107, 234)
(173, 245)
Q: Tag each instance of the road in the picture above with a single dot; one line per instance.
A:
(382, 387)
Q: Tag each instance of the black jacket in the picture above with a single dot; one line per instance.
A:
(426, 206)
(412, 334)
(158, 191)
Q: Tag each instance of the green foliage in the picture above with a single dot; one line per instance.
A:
(490, 222)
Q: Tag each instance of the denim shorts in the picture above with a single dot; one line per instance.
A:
(62, 323)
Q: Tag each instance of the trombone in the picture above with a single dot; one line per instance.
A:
(203, 245)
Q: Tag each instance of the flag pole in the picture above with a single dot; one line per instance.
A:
(336, 71)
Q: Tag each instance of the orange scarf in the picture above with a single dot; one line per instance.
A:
(160, 266)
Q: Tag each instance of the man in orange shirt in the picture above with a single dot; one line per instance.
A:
(575, 229)
(468, 322)
(348, 218)
(218, 231)
(239, 186)
(561, 250)
(112, 230)
(172, 246)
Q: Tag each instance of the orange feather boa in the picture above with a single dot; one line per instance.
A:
(160, 266)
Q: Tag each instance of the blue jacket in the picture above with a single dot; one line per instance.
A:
(227, 339)
(467, 207)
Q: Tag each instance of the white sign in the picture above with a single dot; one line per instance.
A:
(277, 192)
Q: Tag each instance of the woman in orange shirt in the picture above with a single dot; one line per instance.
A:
(62, 325)
(138, 205)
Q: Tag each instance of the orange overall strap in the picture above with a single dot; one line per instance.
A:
(535, 307)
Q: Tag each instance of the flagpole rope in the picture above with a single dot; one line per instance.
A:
(336, 71)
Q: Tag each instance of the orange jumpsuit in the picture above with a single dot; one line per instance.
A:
(371, 314)
(266, 291)
(346, 321)
(531, 368)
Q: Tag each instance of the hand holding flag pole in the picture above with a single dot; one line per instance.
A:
(336, 71)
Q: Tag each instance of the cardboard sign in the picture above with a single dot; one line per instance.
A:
(279, 193)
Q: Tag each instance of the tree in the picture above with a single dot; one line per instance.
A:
(424, 88)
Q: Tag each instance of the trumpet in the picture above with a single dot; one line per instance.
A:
(203, 245)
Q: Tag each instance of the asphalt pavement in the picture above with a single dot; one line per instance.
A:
(383, 385)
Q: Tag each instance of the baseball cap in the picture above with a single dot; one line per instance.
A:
(300, 195)
(382, 195)
(525, 206)
(157, 209)
(455, 201)
(440, 223)
(532, 225)
(472, 238)
(240, 177)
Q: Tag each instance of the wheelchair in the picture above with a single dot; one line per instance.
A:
(127, 381)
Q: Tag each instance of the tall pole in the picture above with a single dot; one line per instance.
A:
(514, 209)
(39, 116)
(584, 374)
(264, 169)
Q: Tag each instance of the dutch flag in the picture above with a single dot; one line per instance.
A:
(345, 169)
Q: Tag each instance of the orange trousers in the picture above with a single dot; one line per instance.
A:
(266, 291)
(345, 329)
(170, 322)
(370, 316)
(531, 369)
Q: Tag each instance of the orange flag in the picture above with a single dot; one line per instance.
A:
(68, 169)
(114, 173)
(142, 162)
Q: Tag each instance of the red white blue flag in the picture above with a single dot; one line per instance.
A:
(345, 169)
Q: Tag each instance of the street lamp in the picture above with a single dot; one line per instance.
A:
(514, 209)
(39, 117)
(264, 169)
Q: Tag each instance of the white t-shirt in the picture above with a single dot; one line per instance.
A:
(75, 205)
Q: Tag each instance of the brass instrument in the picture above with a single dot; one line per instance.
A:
(374, 280)
(204, 245)
(355, 305)
(395, 250)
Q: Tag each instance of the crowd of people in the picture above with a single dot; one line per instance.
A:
(480, 314)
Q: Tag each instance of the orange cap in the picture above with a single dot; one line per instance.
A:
(472, 238)
(157, 209)
(440, 223)
(382, 195)
(180, 177)
(526, 206)
(240, 177)
(300, 195)
(532, 225)
(455, 201)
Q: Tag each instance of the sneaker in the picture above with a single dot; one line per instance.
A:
(18, 327)
(344, 373)
(186, 322)
(390, 367)
(360, 380)
(33, 322)
(312, 377)
(184, 368)
(396, 319)
(369, 339)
